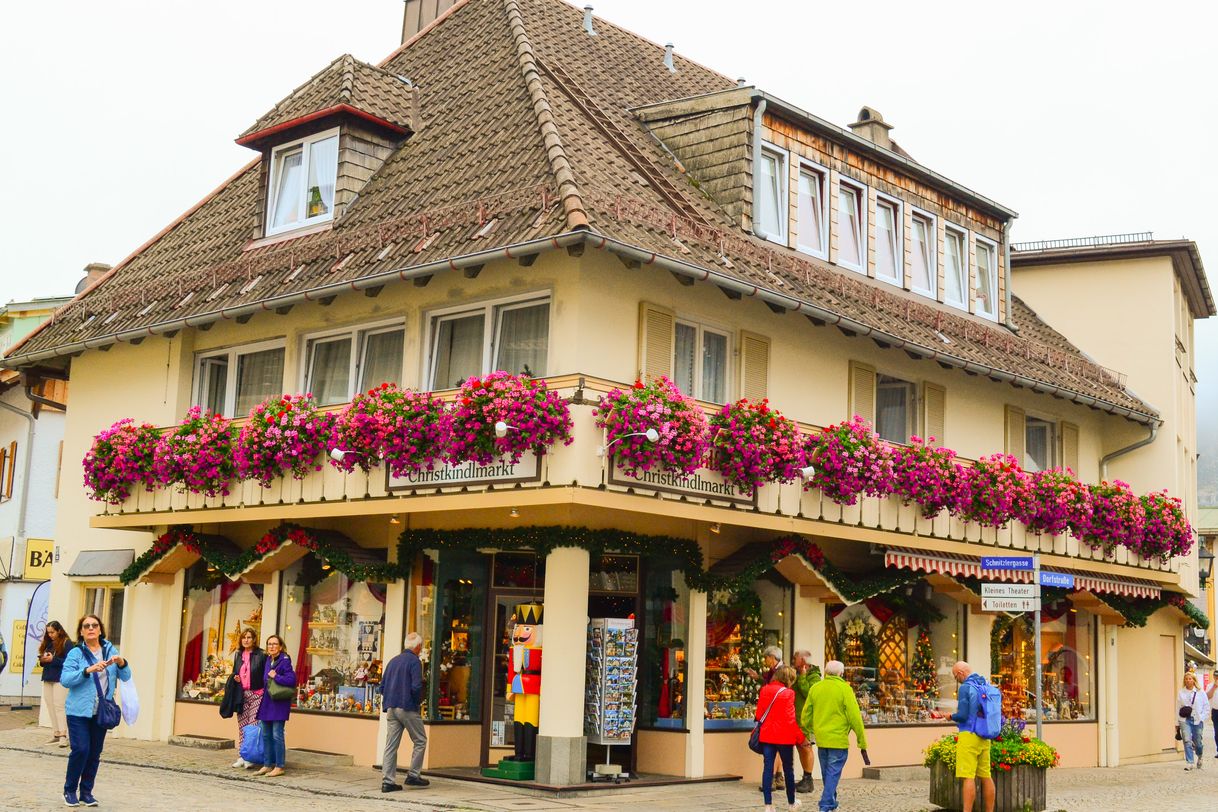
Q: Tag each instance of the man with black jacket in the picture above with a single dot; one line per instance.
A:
(401, 698)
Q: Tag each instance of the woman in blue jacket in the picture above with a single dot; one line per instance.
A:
(273, 713)
(94, 656)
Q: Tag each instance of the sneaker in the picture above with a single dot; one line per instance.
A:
(792, 807)
(805, 783)
(416, 781)
(386, 786)
(54, 740)
(239, 763)
(1200, 763)
(769, 808)
(87, 799)
(69, 799)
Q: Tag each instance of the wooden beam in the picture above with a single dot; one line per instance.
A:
(205, 326)
(779, 309)
(373, 291)
(632, 264)
(326, 301)
(421, 281)
(471, 271)
(575, 249)
(528, 259)
(283, 310)
(686, 281)
(731, 294)
(244, 318)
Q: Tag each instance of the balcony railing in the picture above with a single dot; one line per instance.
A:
(1085, 242)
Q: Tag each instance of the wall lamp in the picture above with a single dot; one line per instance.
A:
(339, 454)
(501, 429)
(651, 434)
(806, 474)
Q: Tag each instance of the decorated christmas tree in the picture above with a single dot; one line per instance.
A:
(922, 671)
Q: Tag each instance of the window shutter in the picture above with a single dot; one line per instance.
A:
(934, 412)
(1016, 433)
(656, 336)
(862, 391)
(12, 469)
(754, 366)
(1069, 433)
(3, 469)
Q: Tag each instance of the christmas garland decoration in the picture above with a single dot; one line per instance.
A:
(160, 548)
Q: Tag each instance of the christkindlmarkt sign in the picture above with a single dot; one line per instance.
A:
(701, 484)
(500, 471)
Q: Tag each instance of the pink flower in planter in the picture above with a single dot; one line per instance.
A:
(754, 444)
(197, 456)
(409, 430)
(1117, 517)
(1056, 501)
(1166, 531)
(121, 457)
(537, 418)
(924, 475)
(627, 414)
(992, 491)
(285, 434)
(851, 461)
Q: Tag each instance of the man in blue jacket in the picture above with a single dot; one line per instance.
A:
(972, 751)
(401, 698)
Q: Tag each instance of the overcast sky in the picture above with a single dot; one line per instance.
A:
(1085, 117)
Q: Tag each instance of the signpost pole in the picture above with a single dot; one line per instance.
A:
(1039, 676)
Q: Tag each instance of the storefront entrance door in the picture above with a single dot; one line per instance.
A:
(497, 739)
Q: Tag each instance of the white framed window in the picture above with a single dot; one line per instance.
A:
(955, 266)
(106, 602)
(852, 225)
(923, 265)
(985, 289)
(507, 334)
(889, 243)
(1040, 444)
(771, 188)
(812, 236)
(231, 382)
(701, 355)
(340, 364)
(300, 190)
(895, 408)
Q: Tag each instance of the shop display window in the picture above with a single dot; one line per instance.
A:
(333, 627)
(899, 662)
(452, 629)
(215, 612)
(1067, 645)
(665, 634)
(738, 630)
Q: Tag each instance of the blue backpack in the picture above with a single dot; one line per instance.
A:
(988, 722)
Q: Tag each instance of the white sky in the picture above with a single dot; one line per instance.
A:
(1085, 117)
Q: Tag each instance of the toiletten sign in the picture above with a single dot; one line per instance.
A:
(499, 471)
(702, 484)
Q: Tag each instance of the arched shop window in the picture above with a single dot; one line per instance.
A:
(215, 613)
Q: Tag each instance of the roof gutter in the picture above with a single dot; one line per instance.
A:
(514, 251)
(731, 283)
(1120, 452)
(758, 115)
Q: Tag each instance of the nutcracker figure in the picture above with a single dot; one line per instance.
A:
(524, 680)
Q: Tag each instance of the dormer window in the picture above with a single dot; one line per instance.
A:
(301, 188)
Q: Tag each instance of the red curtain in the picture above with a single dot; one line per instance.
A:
(303, 666)
(665, 708)
(719, 626)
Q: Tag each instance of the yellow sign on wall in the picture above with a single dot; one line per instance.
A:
(16, 660)
(39, 555)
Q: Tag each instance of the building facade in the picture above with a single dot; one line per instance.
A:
(573, 203)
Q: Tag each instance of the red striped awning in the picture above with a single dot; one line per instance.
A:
(1128, 587)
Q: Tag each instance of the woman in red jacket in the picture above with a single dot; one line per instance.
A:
(779, 733)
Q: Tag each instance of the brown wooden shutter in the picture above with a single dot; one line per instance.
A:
(754, 366)
(934, 412)
(862, 391)
(1069, 433)
(1016, 433)
(12, 469)
(656, 336)
(3, 469)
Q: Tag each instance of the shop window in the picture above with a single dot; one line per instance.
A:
(338, 366)
(737, 632)
(232, 382)
(333, 627)
(1067, 643)
(662, 687)
(215, 613)
(107, 603)
(453, 643)
(519, 571)
(509, 336)
(895, 406)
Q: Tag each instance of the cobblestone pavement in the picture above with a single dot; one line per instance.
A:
(137, 775)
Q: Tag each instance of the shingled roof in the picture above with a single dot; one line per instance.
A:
(527, 141)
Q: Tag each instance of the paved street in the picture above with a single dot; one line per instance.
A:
(153, 776)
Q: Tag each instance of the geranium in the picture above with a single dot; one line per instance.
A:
(924, 474)
(408, 429)
(1117, 517)
(197, 456)
(627, 414)
(284, 434)
(991, 492)
(536, 418)
(851, 460)
(1165, 532)
(1056, 501)
(754, 444)
(121, 457)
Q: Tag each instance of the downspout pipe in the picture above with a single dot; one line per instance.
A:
(25, 478)
(758, 113)
(34, 397)
(1120, 452)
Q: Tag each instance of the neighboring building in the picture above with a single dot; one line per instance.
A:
(570, 200)
(1207, 534)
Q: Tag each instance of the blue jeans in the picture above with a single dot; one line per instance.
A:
(1192, 731)
(273, 751)
(832, 760)
(86, 737)
(785, 752)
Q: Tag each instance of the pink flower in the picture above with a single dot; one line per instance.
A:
(121, 456)
(626, 415)
(538, 418)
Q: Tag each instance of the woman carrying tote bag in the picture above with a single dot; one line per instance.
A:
(249, 672)
(779, 733)
(276, 705)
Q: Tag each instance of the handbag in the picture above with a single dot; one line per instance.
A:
(234, 698)
(755, 736)
(277, 691)
(108, 714)
(1186, 711)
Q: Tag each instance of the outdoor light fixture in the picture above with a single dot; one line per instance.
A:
(501, 429)
(514, 513)
(337, 454)
(651, 434)
(394, 519)
(807, 473)
(715, 528)
(1205, 565)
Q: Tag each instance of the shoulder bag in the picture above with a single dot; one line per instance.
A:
(277, 691)
(755, 736)
(1186, 711)
(108, 713)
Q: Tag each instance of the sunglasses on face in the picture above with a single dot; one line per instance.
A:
(90, 625)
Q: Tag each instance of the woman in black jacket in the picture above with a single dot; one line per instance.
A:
(54, 647)
(249, 663)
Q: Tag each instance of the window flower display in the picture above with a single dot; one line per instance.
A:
(120, 458)
(754, 444)
(1166, 532)
(1056, 501)
(851, 461)
(627, 414)
(992, 492)
(284, 435)
(1116, 519)
(408, 429)
(925, 475)
(197, 456)
(537, 418)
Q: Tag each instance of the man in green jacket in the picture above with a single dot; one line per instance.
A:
(807, 675)
(833, 712)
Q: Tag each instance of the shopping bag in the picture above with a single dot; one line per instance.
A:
(129, 701)
(251, 744)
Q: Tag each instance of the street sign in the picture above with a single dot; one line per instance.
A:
(1010, 604)
(1061, 580)
(1010, 591)
(1017, 562)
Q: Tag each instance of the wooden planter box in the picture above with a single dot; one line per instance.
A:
(1015, 789)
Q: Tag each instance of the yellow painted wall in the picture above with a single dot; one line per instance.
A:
(1151, 670)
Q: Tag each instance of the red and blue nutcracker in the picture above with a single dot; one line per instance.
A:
(524, 680)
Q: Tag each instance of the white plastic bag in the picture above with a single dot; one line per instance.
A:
(129, 701)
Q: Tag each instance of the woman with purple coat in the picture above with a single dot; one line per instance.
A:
(273, 713)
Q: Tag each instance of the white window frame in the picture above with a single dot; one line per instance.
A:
(967, 281)
(784, 193)
(1051, 444)
(898, 254)
(932, 234)
(861, 192)
(490, 330)
(912, 403)
(822, 173)
(230, 354)
(109, 588)
(358, 355)
(273, 181)
(992, 246)
(702, 328)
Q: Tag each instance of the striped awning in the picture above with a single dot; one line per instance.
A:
(968, 566)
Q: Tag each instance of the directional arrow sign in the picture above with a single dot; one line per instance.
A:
(1017, 562)
(1010, 604)
(1010, 591)
(1060, 580)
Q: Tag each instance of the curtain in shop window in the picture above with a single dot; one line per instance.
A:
(879, 610)
(719, 627)
(378, 591)
(323, 170)
(259, 376)
(303, 666)
(523, 335)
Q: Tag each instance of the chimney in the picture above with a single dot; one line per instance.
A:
(871, 125)
(93, 272)
(422, 13)
(668, 58)
(588, 21)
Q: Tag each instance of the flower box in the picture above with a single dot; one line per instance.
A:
(1018, 789)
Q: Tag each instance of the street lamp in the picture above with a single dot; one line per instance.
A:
(1205, 565)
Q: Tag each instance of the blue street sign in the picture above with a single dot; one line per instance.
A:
(1061, 580)
(1007, 563)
